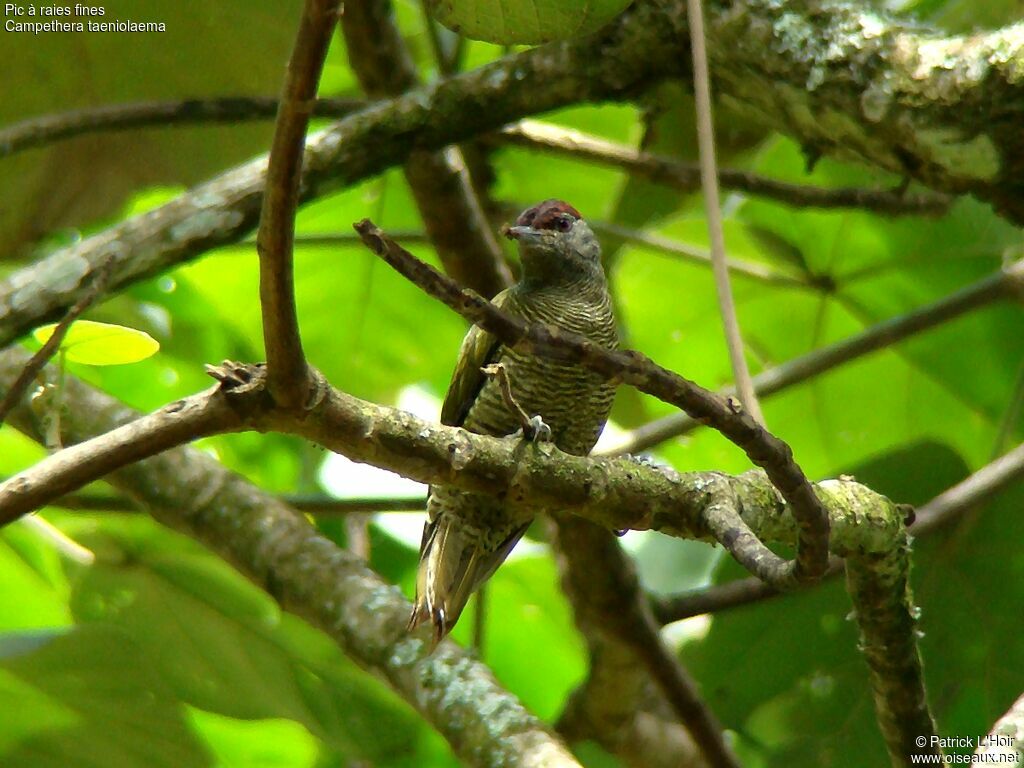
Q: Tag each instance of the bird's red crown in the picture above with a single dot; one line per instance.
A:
(547, 215)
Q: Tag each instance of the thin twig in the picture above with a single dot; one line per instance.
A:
(49, 349)
(982, 293)
(991, 478)
(760, 272)
(709, 182)
(763, 448)
(48, 129)
(312, 504)
(443, 188)
(72, 467)
(567, 142)
(940, 511)
(286, 363)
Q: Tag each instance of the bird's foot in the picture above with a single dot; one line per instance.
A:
(534, 429)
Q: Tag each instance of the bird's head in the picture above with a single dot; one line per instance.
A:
(555, 243)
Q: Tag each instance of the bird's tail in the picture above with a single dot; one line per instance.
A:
(452, 566)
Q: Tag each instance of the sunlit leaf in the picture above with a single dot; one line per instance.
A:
(92, 343)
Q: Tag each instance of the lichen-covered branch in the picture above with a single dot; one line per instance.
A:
(615, 493)
(546, 137)
(310, 576)
(879, 587)
(1005, 742)
(846, 80)
(867, 528)
(820, 71)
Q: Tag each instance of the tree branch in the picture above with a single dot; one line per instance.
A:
(988, 480)
(1004, 284)
(615, 493)
(955, 138)
(49, 349)
(48, 129)
(440, 182)
(608, 601)
(311, 577)
(713, 213)
(567, 142)
(286, 363)
(942, 510)
(845, 80)
(763, 448)
(313, 504)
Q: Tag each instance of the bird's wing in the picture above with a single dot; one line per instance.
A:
(479, 349)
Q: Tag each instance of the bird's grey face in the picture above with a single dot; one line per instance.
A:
(555, 242)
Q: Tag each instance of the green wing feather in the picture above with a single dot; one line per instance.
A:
(479, 349)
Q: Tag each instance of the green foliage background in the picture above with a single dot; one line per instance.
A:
(160, 655)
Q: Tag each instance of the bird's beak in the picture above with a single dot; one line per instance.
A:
(524, 234)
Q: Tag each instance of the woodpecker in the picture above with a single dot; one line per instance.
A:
(468, 535)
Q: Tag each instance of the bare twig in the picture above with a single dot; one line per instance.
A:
(286, 363)
(61, 542)
(49, 349)
(763, 448)
(942, 510)
(721, 597)
(442, 186)
(312, 504)
(47, 129)
(534, 134)
(991, 478)
(755, 271)
(982, 293)
(709, 182)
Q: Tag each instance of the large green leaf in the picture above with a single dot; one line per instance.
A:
(221, 646)
(88, 698)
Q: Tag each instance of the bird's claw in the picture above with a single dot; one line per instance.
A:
(538, 431)
(534, 429)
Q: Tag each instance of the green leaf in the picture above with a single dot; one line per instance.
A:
(256, 743)
(90, 698)
(525, 21)
(224, 647)
(92, 343)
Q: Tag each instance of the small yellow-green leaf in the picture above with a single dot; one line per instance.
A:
(527, 22)
(93, 343)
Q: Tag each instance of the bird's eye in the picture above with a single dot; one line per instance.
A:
(563, 223)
